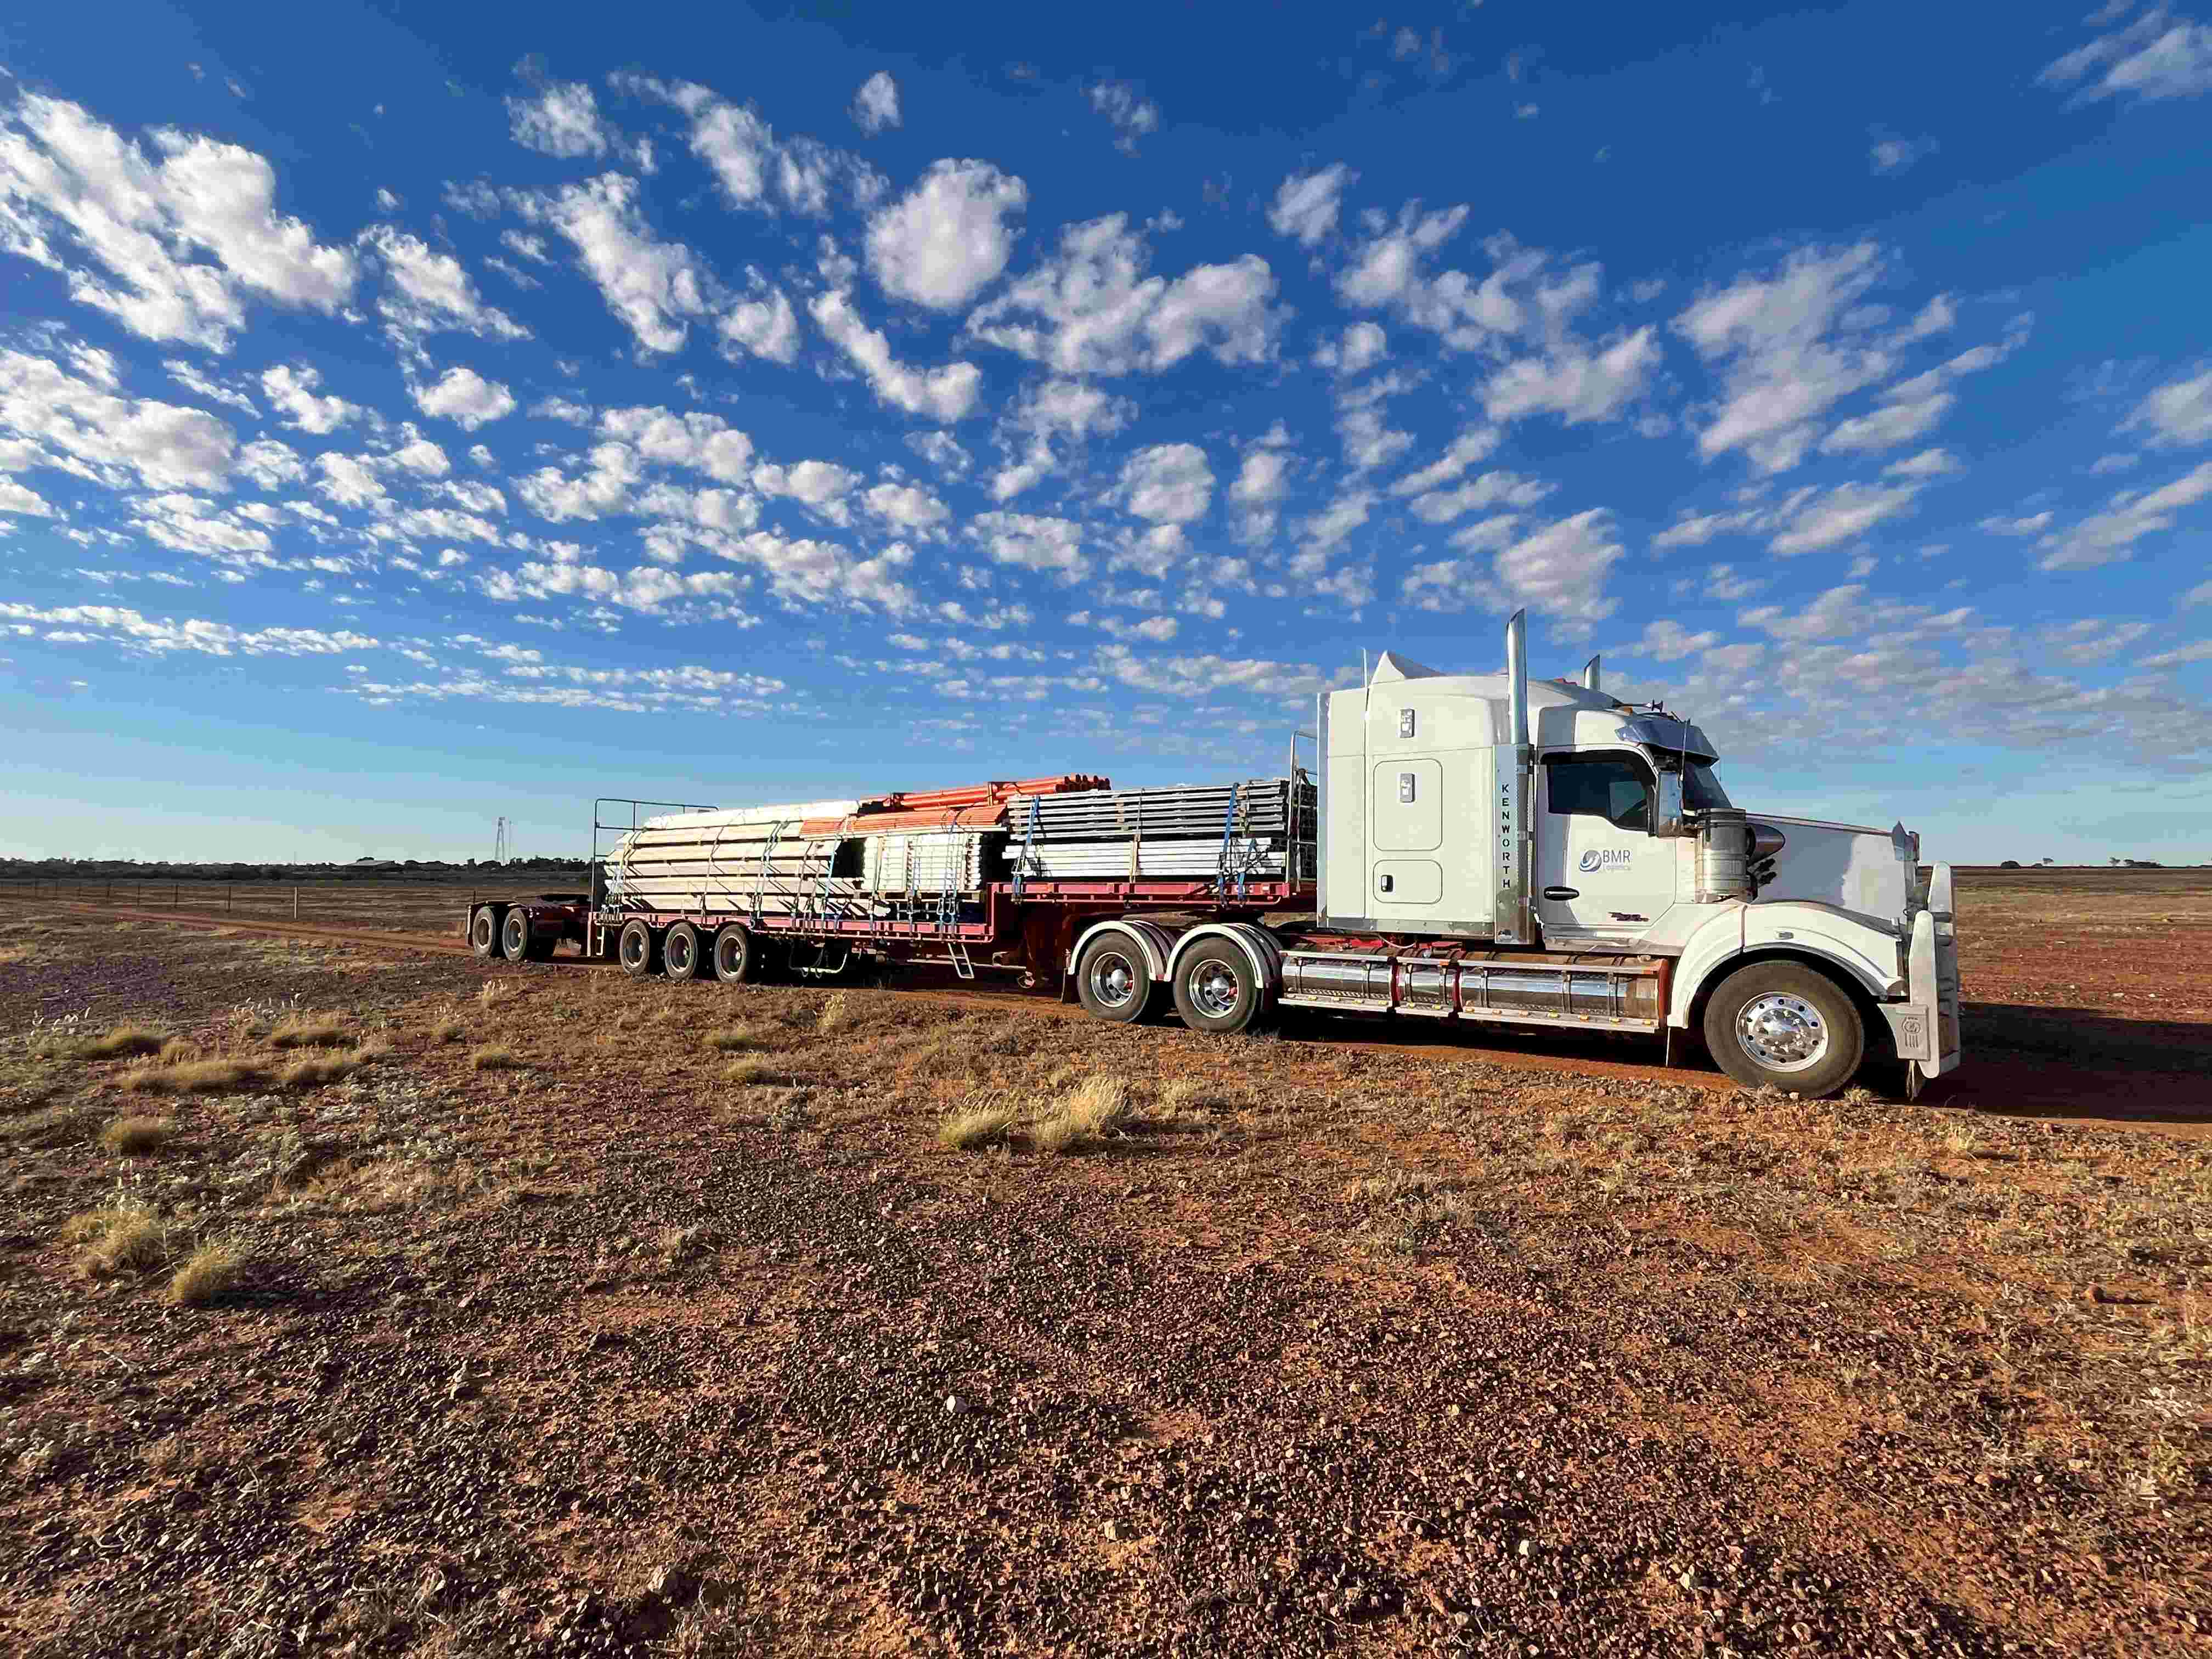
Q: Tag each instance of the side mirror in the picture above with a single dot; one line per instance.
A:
(1667, 807)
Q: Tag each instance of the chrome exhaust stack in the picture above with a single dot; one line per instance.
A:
(1590, 676)
(1513, 922)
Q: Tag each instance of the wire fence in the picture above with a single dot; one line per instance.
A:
(403, 907)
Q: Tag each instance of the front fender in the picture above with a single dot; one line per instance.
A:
(1819, 933)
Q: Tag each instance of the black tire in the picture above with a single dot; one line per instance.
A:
(1112, 980)
(638, 949)
(734, 959)
(514, 936)
(1783, 1024)
(1216, 987)
(483, 931)
(681, 954)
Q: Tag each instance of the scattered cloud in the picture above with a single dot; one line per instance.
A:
(876, 105)
(1131, 116)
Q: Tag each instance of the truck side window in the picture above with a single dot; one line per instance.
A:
(1614, 788)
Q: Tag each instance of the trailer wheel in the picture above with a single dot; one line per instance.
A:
(1111, 980)
(733, 958)
(514, 936)
(680, 951)
(638, 949)
(1216, 988)
(1781, 1025)
(483, 931)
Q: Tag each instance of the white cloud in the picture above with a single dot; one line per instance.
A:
(755, 169)
(1928, 463)
(1888, 426)
(1089, 309)
(290, 389)
(1208, 676)
(1558, 570)
(270, 462)
(1667, 640)
(2108, 537)
(1767, 336)
(2200, 651)
(151, 634)
(702, 443)
(81, 423)
(876, 105)
(2090, 638)
(70, 185)
(1167, 483)
(563, 119)
(1837, 613)
(906, 505)
(1132, 115)
(2033, 524)
(1031, 542)
(1839, 514)
(463, 395)
(22, 498)
(1359, 348)
(947, 238)
(1471, 445)
(942, 451)
(1306, 205)
(1572, 381)
(1491, 489)
(654, 287)
(190, 377)
(946, 393)
(2158, 56)
(2179, 412)
(425, 459)
(762, 324)
(1890, 154)
(430, 291)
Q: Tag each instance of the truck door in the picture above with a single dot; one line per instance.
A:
(1601, 877)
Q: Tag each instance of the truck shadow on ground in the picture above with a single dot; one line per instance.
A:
(2043, 1061)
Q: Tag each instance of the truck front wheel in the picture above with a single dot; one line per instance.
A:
(638, 951)
(1792, 1027)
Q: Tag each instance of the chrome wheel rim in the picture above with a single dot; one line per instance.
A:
(729, 956)
(1783, 1033)
(678, 951)
(1213, 989)
(633, 947)
(1112, 980)
(517, 935)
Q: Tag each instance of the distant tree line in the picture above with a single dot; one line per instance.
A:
(360, 870)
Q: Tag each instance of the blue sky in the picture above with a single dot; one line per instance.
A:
(458, 411)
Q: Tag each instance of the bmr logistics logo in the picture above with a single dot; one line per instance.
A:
(1604, 858)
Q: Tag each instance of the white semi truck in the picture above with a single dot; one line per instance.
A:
(1481, 848)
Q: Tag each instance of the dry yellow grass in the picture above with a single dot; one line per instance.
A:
(315, 1070)
(1092, 1109)
(837, 1014)
(120, 1041)
(733, 1039)
(986, 1124)
(196, 1077)
(177, 1050)
(495, 992)
(309, 1031)
(118, 1236)
(129, 1137)
(495, 1057)
(209, 1272)
(752, 1069)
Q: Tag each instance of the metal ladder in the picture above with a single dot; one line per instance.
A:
(948, 914)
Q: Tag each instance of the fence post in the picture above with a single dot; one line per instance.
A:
(296, 904)
(226, 891)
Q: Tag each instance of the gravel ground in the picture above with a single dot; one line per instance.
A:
(1303, 1351)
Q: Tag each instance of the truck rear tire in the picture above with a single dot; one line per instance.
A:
(638, 951)
(1111, 980)
(733, 956)
(680, 951)
(483, 931)
(514, 936)
(1217, 989)
(1782, 1024)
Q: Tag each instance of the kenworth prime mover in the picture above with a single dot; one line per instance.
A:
(1474, 847)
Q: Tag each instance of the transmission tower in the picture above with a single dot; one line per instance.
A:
(502, 843)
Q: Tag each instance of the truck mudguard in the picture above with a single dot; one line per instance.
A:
(1867, 957)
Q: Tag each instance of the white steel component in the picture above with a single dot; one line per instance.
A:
(1155, 942)
(1859, 954)
(1926, 1026)
(713, 817)
(1257, 944)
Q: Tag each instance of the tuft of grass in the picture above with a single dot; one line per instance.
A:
(309, 1031)
(449, 1028)
(837, 1014)
(208, 1273)
(1092, 1109)
(967, 1127)
(178, 1050)
(314, 1071)
(495, 992)
(751, 1069)
(733, 1039)
(117, 1237)
(495, 1057)
(130, 1137)
(120, 1041)
(195, 1076)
